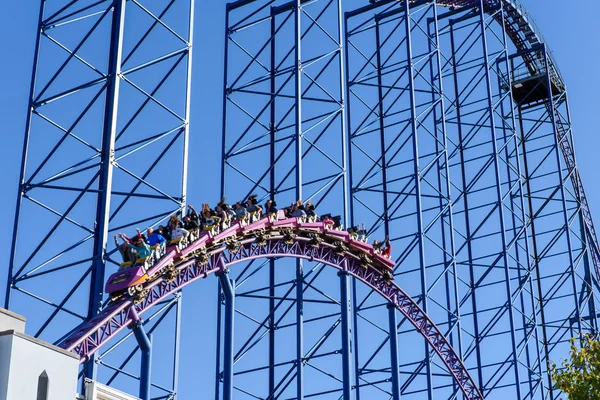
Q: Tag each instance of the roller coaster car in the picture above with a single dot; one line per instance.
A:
(234, 229)
(387, 263)
(203, 241)
(261, 224)
(338, 235)
(143, 270)
(179, 243)
(366, 247)
(312, 227)
(121, 280)
(285, 223)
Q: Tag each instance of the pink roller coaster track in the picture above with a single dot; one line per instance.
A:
(264, 239)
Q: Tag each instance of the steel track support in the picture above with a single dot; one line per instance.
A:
(13, 247)
(299, 138)
(177, 343)
(417, 177)
(145, 344)
(505, 260)
(394, 361)
(465, 201)
(346, 334)
(272, 192)
(228, 286)
(109, 133)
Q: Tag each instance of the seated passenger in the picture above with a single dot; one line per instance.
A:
(310, 211)
(155, 238)
(179, 233)
(165, 232)
(223, 217)
(337, 223)
(142, 248)
(174, 221)
(362, 234)
(209, 221)
(384, 248)
(353, 232)
(190, 224)
(253, 208)
(327, 221)
(298, 212)
(127, 254)
(193, 214)
(240, 211)
(270, 207)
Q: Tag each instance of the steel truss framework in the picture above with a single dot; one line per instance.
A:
(487, 181)
(284, 136)
(458, 144)
(109, 107)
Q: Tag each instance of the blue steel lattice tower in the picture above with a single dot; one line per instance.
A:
(109, 108)
(443, 124)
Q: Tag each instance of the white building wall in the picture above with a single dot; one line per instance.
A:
(9, 321)
(23, 359)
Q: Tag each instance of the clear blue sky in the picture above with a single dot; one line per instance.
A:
(571, 32)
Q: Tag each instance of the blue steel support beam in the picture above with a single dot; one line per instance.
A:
(228, 354)
(177, 343)
(448, 240)
(349, 192)
(298, 167)
(109, 133)
(145, 344)
(20, 192)
(345, 293)
(417, 177)
(346, 334)
(384, 179)
(506, 266)
(272, 193)
(465, 201)
(394, 361)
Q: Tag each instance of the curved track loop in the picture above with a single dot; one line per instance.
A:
(287, 238)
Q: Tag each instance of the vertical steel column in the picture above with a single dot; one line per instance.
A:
(229, 290)
(145, 344)
(499, 195)
(446, 180)
(349, 192)
(394, 361)
(299, 138)
(109, 132)
(272, 190)
(417, 177)
(534, 248)
(344, 279)
(218, 345)
(186, 135)
(176, 345)
(36, 54)
(465, 197)
(223, 172)
(188, 96)
(346, 342)
(384, 179)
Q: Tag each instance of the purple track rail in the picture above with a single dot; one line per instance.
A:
(291, 240)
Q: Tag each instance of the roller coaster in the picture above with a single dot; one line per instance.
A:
(441, 124)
